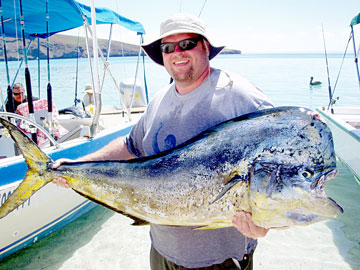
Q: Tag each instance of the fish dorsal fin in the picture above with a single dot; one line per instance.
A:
(230, 181)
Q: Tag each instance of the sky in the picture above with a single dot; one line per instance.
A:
(252, 26)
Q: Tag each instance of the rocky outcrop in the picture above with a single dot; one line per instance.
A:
(63, 46)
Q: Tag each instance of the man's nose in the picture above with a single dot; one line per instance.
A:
(177, 49)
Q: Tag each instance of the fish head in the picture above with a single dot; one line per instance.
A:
(287, 179)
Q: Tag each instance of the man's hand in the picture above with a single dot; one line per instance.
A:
(61, 181)
(243, 222)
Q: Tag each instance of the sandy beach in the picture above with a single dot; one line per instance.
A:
(104, 240)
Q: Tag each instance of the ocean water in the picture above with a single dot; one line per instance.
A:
(284, 78)
(102, 239)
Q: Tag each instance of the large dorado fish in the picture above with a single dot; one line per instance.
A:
(272, 163)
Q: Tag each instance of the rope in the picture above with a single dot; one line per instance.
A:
(106, 63)
(124, 65)
(87, 28)
(202, 8)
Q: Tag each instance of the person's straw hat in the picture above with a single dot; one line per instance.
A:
(88, 89)
(176, 24)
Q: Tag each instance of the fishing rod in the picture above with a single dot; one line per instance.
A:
(27, 74)
(39, 63)
(76, 100)
(202, 8)
(21, 62)
(340, 69)
(355, 54)
(328, 75)
(145, 84)
(49, 88)
(9, 90)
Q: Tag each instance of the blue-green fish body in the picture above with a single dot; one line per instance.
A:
(273, 164)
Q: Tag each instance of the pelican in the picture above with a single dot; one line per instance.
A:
(314, 82)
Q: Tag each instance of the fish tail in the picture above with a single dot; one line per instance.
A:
(38, 167)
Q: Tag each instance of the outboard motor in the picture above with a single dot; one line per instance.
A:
(126, 89)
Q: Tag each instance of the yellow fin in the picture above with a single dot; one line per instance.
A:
(220, 223)
(38, 164)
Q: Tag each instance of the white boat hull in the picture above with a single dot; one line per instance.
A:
(52, 207)
(345, 124)
(44, 213)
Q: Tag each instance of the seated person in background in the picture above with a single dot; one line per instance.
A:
(88, 98)
(19, 96)
(42, 118)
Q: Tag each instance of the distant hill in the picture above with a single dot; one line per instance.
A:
(64, 46)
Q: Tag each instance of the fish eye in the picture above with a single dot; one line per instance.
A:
(307, 173)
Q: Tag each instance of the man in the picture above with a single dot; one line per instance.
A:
(18, 92)
(200, 98)
(88, 98)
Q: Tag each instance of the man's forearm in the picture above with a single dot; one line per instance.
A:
(115, 150)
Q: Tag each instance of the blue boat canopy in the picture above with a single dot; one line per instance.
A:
(355, 20)
(63, 15)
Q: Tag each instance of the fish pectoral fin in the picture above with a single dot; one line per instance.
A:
(221, 223)
(136, 221)
(234, 178)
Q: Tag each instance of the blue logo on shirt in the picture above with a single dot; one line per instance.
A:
(169, 142)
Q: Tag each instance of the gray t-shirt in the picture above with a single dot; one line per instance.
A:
(171, 119)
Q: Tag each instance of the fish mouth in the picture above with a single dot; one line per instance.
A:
(302, 217)
(317, 188)
(318, 185)
(329, 207)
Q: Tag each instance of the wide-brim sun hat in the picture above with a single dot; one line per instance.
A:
(177, 24)
(88, 89)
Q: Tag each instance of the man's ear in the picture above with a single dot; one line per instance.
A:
(206, 46)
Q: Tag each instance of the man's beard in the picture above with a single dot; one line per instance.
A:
(183, 77)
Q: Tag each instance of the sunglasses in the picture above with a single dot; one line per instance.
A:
(184, 45)
(18, 94)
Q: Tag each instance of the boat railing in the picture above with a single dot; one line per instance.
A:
(32, 124)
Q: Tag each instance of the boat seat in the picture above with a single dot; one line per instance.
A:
(349, 117)
(77, 132)
(352, 120)
(70, 122)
